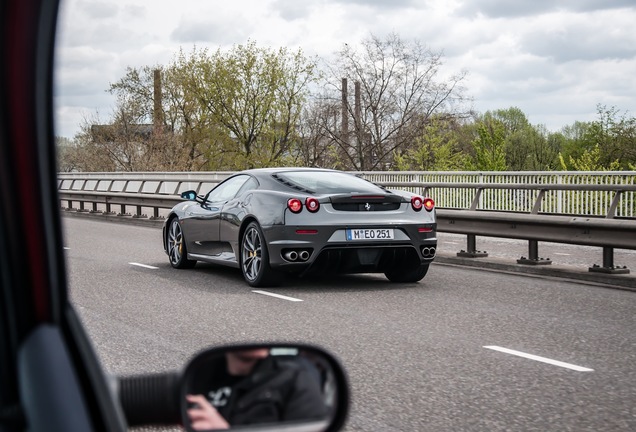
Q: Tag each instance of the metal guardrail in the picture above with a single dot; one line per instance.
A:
(574, 198)
(562, 201)
(159, 192)
(522, 201)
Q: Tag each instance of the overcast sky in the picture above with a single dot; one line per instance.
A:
(554, 59)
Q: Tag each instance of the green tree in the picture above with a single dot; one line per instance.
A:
(615, 135)
(255, 96)
(526, 146)
(227, 111)
(518, 133)
(540, 149)
(435, 150)
(489, 145)
(576, 139)
(590, 160)
(609, 141)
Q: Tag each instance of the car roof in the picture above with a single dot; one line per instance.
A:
(288, 169)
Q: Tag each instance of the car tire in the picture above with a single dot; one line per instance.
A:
(402, 275)
(255, 258)
(176, 246)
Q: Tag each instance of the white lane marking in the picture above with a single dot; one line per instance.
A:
(541, 359)
(144, 266)
(561, 253)
(449, 242)
(276, 295)
(67, 248)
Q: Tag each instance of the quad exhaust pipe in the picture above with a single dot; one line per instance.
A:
(291, 256)
(428, 252)
(301, 255)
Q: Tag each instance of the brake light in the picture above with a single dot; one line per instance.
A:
(416, 203)
(429, 204)
(295, 205)
(306, 231)
(312, 204)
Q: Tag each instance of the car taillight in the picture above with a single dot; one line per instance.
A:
(429, 204)
(312, 204)
(416, 203)
(295, 205)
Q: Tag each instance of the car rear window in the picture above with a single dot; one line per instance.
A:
(327, 182)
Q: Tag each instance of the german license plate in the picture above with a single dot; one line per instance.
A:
(370, 234)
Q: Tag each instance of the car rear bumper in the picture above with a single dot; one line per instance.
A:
(304, 249)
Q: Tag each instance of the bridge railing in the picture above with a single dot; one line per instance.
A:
(558, 200)
(572, 193)
(592, 209)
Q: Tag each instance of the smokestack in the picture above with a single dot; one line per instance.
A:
(345, 114)
(157, 115)
(358, 123)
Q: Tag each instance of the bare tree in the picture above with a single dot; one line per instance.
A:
(317, 148)
(83, 153)
(397, 88)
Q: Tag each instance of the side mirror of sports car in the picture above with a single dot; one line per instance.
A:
(189, 195)
(264, 387)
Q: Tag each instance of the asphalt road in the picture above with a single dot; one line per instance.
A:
(416, 354)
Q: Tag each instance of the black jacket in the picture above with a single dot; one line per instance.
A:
(277, 390)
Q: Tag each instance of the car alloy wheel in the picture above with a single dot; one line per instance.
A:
(252, 251)
(255, 259)
(176, 247)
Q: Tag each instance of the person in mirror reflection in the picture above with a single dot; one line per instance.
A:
(251, 387)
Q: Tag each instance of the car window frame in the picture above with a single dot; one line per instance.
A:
(54, 378)
(247, 186)
(224, 185)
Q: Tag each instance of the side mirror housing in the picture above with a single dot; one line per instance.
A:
(264, 387)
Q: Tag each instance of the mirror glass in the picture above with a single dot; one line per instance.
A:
(189, 195)
(269, 387)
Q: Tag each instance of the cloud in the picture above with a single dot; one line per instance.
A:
(100, 25)
(582, 37)
(515, 9)
(135, 11)
(99, 10)
(382, 4)
(554, 59)
(191, 32)
(291, 10)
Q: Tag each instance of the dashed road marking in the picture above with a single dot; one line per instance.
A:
(144, 266)
(540, 359)
(276, 295)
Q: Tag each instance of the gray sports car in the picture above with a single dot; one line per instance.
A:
(273, 221)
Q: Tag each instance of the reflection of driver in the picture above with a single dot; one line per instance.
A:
(252, 387)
